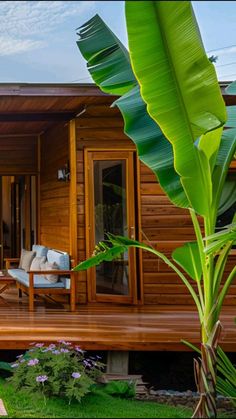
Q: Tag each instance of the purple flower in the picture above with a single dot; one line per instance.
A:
(86, 363)
(20, 356)
(51, 346)
(78, 349)
(56, 352)
(41, 378)
(65, 350)
(64, 342)
(32, 362)
(39, 345)
(14, 365)
(75, 375)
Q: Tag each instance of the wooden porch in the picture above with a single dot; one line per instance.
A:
(105, 327)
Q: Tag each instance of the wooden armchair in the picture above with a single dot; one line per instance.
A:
(27, 283)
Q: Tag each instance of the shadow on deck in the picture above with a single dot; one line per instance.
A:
(105, 327)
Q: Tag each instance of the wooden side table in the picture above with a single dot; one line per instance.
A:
(5, 281)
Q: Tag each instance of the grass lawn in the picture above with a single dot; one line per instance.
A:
(99, 405)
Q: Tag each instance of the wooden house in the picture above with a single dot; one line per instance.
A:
(69, 175)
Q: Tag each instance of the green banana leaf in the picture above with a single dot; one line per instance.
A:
(224, 157)
(108, 60)
(231, 117)
(228, 196)
(226, 381)
(218, 240)
(188, 257)
(231, 89)
(153, 148)
(178, 83)
(209, 144)
(102, 253)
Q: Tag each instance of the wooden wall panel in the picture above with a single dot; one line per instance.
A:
(54, 194)
(97, 128)
(18, 155)
(163, 225)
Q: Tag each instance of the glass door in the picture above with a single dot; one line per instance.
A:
(111, 209)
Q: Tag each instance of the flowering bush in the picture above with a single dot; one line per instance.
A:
(59, 369)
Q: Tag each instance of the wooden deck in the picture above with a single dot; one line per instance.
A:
(105, 327)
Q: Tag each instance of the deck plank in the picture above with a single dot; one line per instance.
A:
(105, 326)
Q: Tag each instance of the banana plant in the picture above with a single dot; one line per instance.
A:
(174, 112)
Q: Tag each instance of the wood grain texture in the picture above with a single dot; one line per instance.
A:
(18, 155)
(54, 195)
(105, 327)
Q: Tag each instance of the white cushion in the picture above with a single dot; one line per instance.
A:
(37, 262)
(47, 266)
(26, 259)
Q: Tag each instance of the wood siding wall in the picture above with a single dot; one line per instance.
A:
(164, 225)
(18, 155)
(54, 194)
(100, 127)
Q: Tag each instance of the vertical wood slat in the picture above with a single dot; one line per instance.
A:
(38, 189)
(27, 212)
(54, 194)
(73, 192)
(140, 297)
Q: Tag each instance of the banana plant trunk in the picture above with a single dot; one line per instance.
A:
(205, 372)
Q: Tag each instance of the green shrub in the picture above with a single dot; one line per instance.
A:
(59, 369)
(124, 389)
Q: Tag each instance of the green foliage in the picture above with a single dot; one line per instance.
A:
(139, 126)
(5, 366)
(189, 259)
(121, 388)
(94, 405)
(174, 112)
(179, 85)
(55, 370)
(226, 380)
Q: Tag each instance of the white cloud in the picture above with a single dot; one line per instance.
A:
(11, 46)
(26, 24)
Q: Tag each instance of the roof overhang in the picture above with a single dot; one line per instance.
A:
(32, 108)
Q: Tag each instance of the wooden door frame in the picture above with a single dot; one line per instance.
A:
(113, 154)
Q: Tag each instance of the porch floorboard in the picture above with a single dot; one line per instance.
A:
(105, 326)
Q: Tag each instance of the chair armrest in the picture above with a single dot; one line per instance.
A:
(55, 272)
(8, 261)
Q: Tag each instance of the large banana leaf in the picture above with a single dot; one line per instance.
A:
(107, 59)
(153, 148)
(178, 83)
(109, 65)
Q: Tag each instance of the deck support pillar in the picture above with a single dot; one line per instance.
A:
(117, 362)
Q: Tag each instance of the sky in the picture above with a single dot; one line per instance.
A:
(38, 38)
